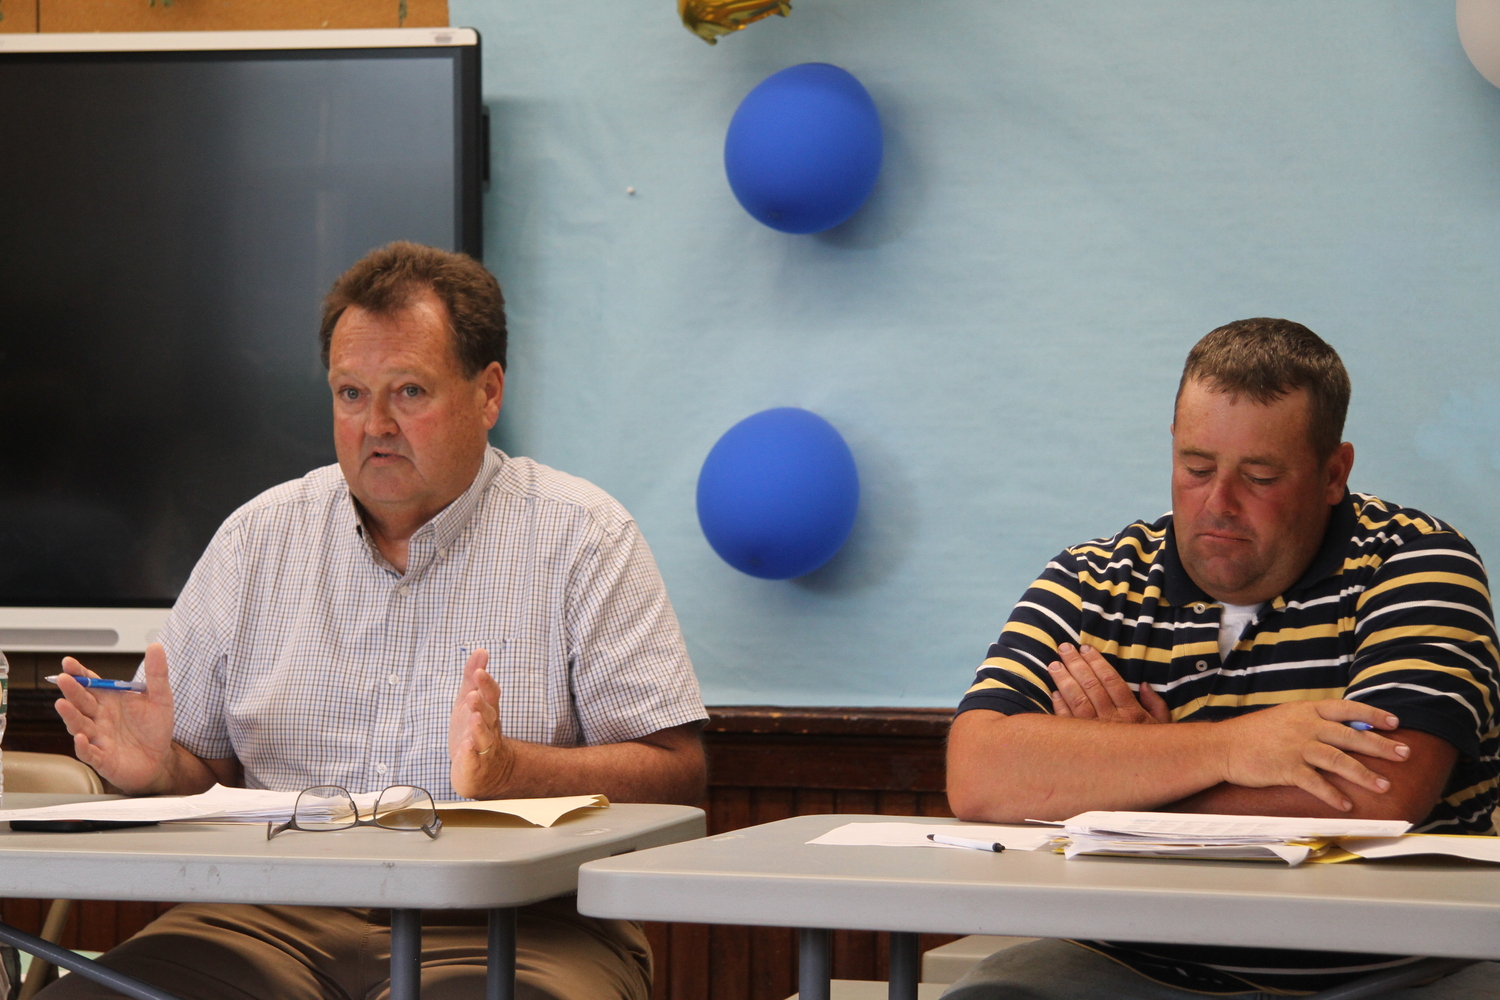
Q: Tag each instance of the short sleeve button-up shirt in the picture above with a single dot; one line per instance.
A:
(299, 649)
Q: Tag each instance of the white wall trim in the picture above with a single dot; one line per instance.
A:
(79, 630)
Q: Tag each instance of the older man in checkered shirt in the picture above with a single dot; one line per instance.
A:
(428, 612)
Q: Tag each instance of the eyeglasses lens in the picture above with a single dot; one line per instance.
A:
(325, 807)
(405, 807)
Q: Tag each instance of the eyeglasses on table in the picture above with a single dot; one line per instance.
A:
(325, 808)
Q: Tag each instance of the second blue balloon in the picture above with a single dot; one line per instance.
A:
(778, 493)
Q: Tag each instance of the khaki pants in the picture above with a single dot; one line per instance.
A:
(205, 951)
(1061, 970)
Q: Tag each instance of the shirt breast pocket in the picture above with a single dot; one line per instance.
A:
(494, 647)
(519, 669)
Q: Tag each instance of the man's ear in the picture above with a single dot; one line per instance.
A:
(492, 383)
(1337, 470)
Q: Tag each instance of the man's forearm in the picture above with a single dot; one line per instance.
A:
(635, 771)
(184, 773)
(1005, 769)
(1415, 785)
(1281, 800)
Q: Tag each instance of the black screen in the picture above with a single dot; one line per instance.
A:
(168, 226)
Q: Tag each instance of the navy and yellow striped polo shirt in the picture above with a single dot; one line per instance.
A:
(1394, 611)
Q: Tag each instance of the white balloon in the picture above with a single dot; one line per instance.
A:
(1479, 31)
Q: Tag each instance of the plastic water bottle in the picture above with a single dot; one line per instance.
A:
(4, 705)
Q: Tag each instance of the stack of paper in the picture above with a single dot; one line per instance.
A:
(1291, 839)
(1207, 836)
(255, 805)
(1473, 848)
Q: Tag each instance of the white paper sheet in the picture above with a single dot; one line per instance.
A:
(256, 805)
(218, 805)
(1015, 838)
(1203, 826)
(144, 810)
(1292, 854)
(1473, 848)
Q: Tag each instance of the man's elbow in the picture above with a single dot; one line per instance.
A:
(976, 797)
(1411, 805)
(967, 801)
(976, 792)
(692, 783)
(684, 772)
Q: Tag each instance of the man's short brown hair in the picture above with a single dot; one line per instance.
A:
(386, 280)
(1267, 358)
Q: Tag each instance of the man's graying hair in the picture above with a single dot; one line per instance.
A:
(386, 280)
(1267, 358)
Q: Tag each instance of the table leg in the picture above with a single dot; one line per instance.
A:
(905, 966)
(406, 954)
(75, 963)
(500, 981)
(815, 965)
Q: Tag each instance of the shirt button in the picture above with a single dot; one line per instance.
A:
(403, 590)
(1201, 664)
(394, 679)
(380, 768)
(1199, 607)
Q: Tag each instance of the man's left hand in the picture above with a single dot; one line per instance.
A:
(1089, 688)
(483, 760)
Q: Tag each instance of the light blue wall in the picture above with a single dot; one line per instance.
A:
(1073, 194)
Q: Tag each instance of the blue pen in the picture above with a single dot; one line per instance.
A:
(100, 684)
(1363, 727)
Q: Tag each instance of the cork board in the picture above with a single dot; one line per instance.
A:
(217, 15)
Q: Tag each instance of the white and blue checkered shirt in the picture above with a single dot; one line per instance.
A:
(299, 649)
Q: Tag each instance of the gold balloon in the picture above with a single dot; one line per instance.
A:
(708, 19)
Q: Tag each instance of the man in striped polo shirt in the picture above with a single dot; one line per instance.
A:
(1210, 661)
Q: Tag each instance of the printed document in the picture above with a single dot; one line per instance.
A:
(257, 805)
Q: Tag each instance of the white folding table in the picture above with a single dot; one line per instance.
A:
(471, 868)
(770, 876)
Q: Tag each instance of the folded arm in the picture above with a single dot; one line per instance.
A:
(1415, 786)
(1006, 769)
(1101, 751)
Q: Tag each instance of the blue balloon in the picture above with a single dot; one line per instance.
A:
(778, 493)
(804, 148)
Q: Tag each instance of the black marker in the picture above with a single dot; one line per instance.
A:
(978, 845)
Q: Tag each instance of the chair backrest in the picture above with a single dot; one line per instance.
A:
(49, 772)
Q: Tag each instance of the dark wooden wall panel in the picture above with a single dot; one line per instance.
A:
(768, 763)
(765, 764)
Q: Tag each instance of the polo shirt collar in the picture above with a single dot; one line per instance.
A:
(451, 521)
(1179, 589)
(443, 530)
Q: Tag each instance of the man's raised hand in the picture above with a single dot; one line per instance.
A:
(1087, 687)
(125, 736)
(481, 758)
